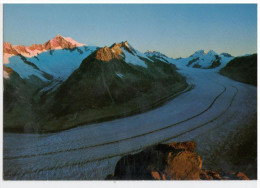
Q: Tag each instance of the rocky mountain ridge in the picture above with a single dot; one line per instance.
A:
(58, 42)
(84, 84)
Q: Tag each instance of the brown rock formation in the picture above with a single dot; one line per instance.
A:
(8, 48)
(161, 162)
(213, 175)
(113, 52)
(107, 54)
(7, 71)
(36, 47)
(189, 146)
(174, 161)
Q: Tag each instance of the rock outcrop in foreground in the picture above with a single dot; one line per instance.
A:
(174, 161)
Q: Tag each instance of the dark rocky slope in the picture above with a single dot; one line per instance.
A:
(20, 102)
(105, 86)
(242, 69)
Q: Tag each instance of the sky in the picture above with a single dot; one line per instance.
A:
(177, 30)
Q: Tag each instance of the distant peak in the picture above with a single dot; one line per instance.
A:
(204, 52)
(212, 52)
(201, 52)
(59, 36)
(154, 53)
(60, 42)
(226, 54)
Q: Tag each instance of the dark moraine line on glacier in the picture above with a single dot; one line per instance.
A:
(136, 150)
(78, 151)
(128, 138)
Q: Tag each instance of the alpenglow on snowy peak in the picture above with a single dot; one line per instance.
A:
(58, 42)
(51, 62)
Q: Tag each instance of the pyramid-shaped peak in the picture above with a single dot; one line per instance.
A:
(58, 36)
(60, 42)
(126, 46)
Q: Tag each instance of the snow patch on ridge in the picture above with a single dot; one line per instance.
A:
(73, 42)
(60, 63)
(159, 56)
(24, 70)
(130, 58)
(119, 75)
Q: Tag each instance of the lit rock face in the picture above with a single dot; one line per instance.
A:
(114, 52)
(173, 161)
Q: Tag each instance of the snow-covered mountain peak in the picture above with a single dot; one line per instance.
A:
(211, 52)
(199, 53)
(152, 53)
(60, 42)
(159, 56)
(226, 54)
(205, 60)
(202, 53)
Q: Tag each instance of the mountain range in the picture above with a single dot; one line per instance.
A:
(57, 42)
(62, 83)
(200, 59)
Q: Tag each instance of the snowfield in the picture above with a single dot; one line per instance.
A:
(215, 104)
(133, 59)
(58, 63)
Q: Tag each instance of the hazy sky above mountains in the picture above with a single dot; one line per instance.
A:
(176, 30)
